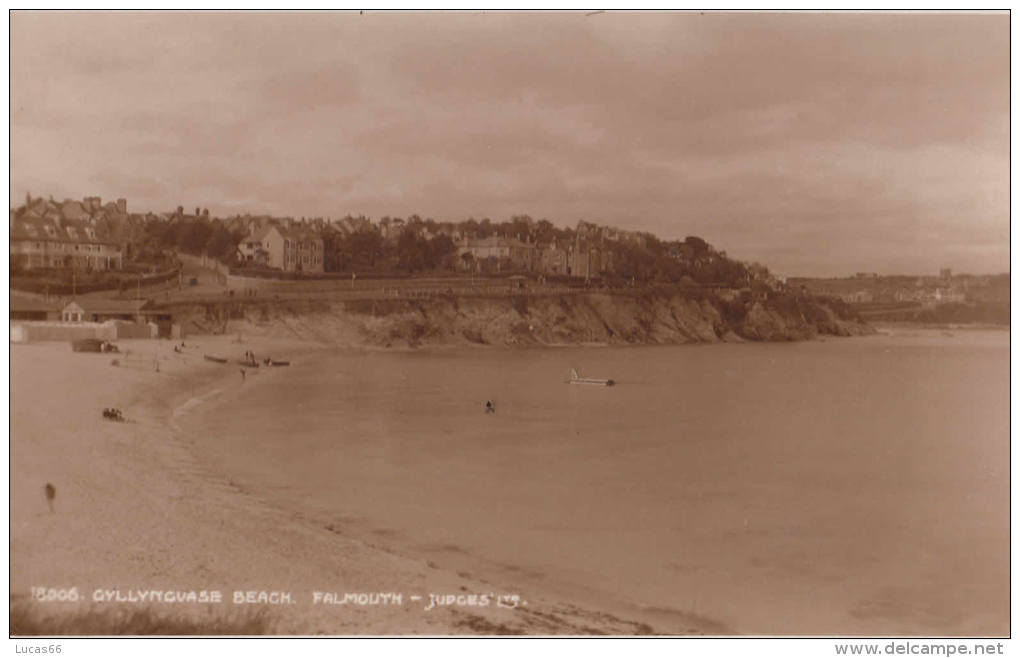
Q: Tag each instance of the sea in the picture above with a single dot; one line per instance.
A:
(842, 486)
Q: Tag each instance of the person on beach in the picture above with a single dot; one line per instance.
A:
(51, 494)
(242, 375)
(489, 408)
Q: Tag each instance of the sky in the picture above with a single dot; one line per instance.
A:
(817, 144)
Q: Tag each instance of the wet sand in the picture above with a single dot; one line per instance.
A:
(135, 510)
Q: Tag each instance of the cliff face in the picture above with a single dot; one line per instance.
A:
(649, 317)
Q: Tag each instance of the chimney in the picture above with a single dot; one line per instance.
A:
(122, 206)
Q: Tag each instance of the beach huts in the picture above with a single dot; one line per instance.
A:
(34, 309)
(35, 320)
(101, 310)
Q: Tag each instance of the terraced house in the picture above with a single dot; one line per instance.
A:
(507, 254)
(58, 242)
(287, 248)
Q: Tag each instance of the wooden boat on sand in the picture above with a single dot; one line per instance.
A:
(215, 359)
(591, 381)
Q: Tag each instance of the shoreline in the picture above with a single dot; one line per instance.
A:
(936, 326)
(136, 509)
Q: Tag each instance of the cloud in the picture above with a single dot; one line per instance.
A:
(812, 142)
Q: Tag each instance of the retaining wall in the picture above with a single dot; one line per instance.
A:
(34, 332)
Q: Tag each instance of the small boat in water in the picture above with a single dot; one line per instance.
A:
(578, 379)
(215, 359)
(279, 363)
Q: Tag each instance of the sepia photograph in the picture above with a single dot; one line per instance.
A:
(464, 324)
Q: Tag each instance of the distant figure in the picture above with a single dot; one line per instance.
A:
(489, 408)
(242, 375)
(51, 494)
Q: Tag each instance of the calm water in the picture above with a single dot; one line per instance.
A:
(851, 486)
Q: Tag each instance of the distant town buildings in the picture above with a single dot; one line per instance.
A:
(870, 288)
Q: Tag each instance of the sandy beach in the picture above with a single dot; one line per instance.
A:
(135, 511)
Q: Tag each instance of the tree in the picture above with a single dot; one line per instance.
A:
(699, 246)
(332, 250)
(543, 231)
(439, 252)
(410, 256)
(363, 249)
(522, 224)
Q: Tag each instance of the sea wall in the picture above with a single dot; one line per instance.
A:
(661, 316)
(26, 331)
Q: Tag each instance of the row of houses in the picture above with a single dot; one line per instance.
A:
(576, 258)
(297, 247)
(69, 234)
(92, 236)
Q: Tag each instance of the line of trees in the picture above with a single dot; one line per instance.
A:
(365, 250)
(197, 236)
